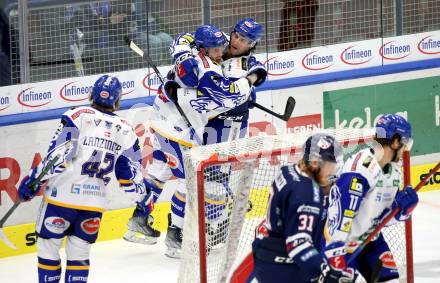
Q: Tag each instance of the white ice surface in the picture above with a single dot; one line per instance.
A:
(119, 261)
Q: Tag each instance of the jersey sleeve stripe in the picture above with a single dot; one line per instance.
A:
(356, 160)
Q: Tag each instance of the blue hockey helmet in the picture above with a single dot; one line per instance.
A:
(249, 29)
(322, 147)
(208, 36)
(106, 91)
(390, 125)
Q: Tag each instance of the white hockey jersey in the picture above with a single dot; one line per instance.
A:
(91, 145)
(214, 95)
(361, 198)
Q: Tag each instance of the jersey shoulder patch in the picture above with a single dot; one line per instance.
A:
(365, 164)
(75, 113)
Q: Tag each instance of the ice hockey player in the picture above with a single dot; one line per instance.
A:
(214, 95)
(90, 143)
(367, 190)
(287, 243)
(238, 60)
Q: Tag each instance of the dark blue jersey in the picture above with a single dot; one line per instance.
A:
(294, 224)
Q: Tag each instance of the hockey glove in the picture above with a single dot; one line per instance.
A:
(187, 69)
(331, 275)
(407, 200)
(335, 254)
(255, 67)
(145, 206)
(168, 91)
(25, 191)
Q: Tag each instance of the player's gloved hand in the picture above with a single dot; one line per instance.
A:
(335, 254)
(145, 206)
(256, 67)
(331, 275)
(187, 69)
(407, 199)
(168, 91)
(25, 191)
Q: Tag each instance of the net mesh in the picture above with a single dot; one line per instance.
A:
(236, 195)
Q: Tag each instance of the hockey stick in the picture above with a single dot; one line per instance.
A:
(77, 49)
(390, 216)
(376, 271)
(290, 105)
(46, 169)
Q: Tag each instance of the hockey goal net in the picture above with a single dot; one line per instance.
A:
(227, 197)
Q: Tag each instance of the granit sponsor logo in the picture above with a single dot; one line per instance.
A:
(151, 81)
(317, 60)
(5, 102)
(394, 51)
(429, 46)
(73, 92)
(354, 55)
(279, 67)
(34, 98)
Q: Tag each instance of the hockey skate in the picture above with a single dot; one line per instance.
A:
(173, 240)
(140, 231)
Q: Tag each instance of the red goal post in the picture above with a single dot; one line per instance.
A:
(227, 196)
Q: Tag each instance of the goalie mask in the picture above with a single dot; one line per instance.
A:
(106, 92)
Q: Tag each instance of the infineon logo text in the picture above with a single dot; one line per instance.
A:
(34, 98)
(73, 92)
(356, 56)
(151, 81)
(279, 67)
(127, 87)
(316, 61)
(393, 51)
(429, 46)
(4, 102)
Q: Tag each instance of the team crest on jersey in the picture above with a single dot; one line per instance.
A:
(56, 225)
(388, 260)
(97, 122)
(91, 226)
(334, 210)
(104, 94)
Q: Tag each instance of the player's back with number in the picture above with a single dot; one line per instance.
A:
(100, 139)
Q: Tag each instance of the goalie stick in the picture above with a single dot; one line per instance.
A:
(290, 105)
(14, 207)
(390, 216)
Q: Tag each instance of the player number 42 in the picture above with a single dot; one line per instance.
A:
(92, 167)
